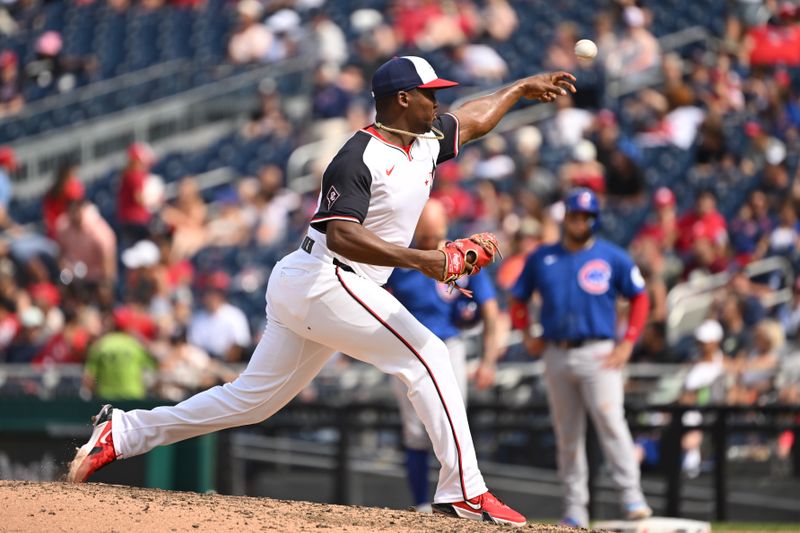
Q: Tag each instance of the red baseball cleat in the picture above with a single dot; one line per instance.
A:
(484, 507)
(96, 453)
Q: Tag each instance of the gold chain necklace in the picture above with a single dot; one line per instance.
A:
(437, 134)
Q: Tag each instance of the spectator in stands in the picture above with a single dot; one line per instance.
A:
(704, 258)
(653, 346)
(285, 25)
(411, 18)
(561, 52)
(219, 328)
(53, 70)
(778, 41)
(377, 41)
(88, 244)
(275, 205)
(750, 230)
(330, 100)
(637, 51)
(785, 238)
(531, 174)
(458, 203)
(66, 188)
(227, 224)
(430, 25)
(9, 289)
(737, 336)
(754, 373)
(329, 37)
(46, 296)
(703, 384)
(751, 293)
(683, 117)
(525, 241)
(67, 346)
(703, 222)
(604, 36)
(269, 118)
(132, 213)
(118, 365)
(11, 98)
(251, 40)
(186, 218)
(712, 149)
(148, 278)
(8, 165)
(789, 315)
(624, 176)
(583, 169)
(569, 124)
(662, 229)
(477, 64)
(499, 19)
(29, 339)
(9, 325)
(495, 165)
(185, 369)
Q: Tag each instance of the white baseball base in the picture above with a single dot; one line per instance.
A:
(654, 525)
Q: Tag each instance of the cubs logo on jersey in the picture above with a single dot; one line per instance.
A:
(595, 276)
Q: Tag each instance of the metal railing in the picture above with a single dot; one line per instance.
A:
(349, 420)
(689, 302)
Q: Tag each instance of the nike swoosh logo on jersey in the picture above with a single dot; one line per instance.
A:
(390, 170)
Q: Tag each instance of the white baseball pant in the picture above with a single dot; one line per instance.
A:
(414, 435)
(577, 383)
(314, 309)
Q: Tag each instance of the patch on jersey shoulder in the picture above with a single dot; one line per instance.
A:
(595, 276)
(332, 196)
(636, 277)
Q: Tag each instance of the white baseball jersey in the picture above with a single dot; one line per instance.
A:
(319, 303)
(383, 186)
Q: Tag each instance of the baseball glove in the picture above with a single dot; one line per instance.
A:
(465, 257)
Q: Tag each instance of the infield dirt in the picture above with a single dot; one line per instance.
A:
(34, 507)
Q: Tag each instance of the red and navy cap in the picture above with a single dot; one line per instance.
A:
(406, 73)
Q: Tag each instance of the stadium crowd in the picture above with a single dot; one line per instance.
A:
(699, 165)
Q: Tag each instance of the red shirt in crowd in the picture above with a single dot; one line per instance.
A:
(130, 209)
(775, 45)
(691, 226)
(53, 206)
(64, 347)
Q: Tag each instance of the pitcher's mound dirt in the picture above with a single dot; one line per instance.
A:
(36, 507)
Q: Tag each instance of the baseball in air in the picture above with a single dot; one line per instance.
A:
(586, 49)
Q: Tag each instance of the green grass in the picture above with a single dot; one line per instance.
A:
(752, 527)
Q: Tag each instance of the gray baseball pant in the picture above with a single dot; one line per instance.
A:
(577, 383)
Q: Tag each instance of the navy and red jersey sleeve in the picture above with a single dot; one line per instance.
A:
(346, 186)
(448, 146)
(527, 282)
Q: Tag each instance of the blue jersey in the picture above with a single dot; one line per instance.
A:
(579, 289)
(432, 302)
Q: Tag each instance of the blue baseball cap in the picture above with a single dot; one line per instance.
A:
(406, 73)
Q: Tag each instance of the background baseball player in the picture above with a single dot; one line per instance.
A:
(327, 295)
(579, 280)
(434, 304)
